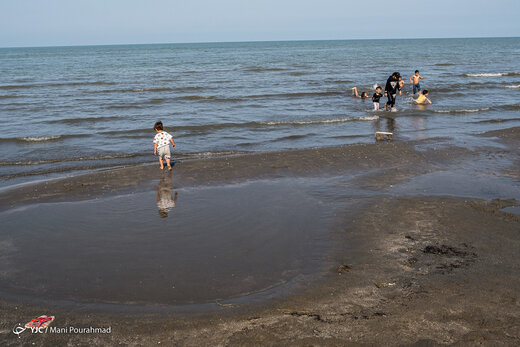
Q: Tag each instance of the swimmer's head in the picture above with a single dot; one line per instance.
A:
(378, 89)
(364, 95)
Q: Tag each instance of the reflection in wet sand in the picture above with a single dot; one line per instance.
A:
(164, 195)
(419, 125)
(390, 124)
(114, 250)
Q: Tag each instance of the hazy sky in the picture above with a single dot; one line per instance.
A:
(85, 22)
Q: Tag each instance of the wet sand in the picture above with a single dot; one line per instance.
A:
(330, 161)
(409, 263)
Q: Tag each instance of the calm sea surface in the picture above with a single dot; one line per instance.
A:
(64, 110)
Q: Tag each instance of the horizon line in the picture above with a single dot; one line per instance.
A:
(259, 41)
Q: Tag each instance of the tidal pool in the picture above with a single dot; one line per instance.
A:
(165, 246)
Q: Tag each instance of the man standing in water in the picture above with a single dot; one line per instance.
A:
(391, 88)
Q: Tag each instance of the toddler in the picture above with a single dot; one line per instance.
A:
(161, 145)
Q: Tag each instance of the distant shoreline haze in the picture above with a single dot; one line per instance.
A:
(261, 41)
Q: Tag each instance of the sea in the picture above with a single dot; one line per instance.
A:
(70, 110)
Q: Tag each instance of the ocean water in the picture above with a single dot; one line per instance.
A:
(65, 110)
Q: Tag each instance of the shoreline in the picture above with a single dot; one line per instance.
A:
(405, 267)
(227, 169)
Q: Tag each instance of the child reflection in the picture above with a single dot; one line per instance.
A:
(164, 195)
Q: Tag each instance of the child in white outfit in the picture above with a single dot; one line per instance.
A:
(161, 145)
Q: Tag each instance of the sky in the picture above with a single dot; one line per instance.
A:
(99, 22)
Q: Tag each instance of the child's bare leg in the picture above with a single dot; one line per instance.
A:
(168, 163)
(161, 162)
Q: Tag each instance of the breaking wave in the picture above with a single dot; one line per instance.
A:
(325, 121)
(512, 107)
(471, 110)
(38, 139)
(217, 126)
(491, 74)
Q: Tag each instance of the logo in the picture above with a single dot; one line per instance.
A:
(18, 329)
(37, 325)
(40, 325)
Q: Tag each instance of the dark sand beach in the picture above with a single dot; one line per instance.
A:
(418, 244)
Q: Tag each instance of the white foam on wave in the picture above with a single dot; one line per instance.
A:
(513, 87)
(209, 154)
(473, 110)
(325, 121)
(484, 74)
(367, 118)
(40, 138)
(492, 74)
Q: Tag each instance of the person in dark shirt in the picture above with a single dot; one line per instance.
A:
(391, 89)
(376, 97)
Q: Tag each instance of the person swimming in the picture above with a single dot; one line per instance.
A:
(363, 95)
(422, 99)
